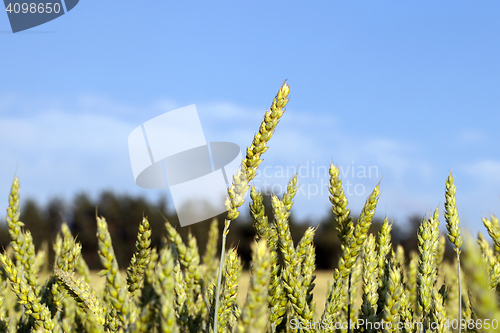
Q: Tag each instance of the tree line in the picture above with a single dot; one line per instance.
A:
(124, 213)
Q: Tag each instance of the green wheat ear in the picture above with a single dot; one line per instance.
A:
(22, 241)
(350, 253)
(452, 224)
(232, 275)
(254, 317)
(370, 281)
(493, 228)
(140, 259)
(248, 170)
(451, 214)
(115, 289)
(490, 259)
(426, 266)
(339, 202)
(391, 312)
(82, 293)
(165, 287)
(26, 296)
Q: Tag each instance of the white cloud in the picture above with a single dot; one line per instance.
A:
(486, 171)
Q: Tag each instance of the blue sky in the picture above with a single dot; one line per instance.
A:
(409, 89)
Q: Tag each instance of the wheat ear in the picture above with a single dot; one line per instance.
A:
(452, 224)
(82, 293)
(166, 295)
(257, 210)
(254, 316)
(339, 203)
(392, 302)
(384, 247)
(292, 266)
(180, 298)
(370, 281)
(26, 296)
(277, 296)
(115, 290)
(490, 259)
(248, 170)
(140, 259)
(148, 295)
(494, 231)
(22, 241)
(350, 254)
(426, 266)
(439, 313)
(189, 259)
(229, 291)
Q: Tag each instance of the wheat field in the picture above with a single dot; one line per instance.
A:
(173, 288)
(319, 292)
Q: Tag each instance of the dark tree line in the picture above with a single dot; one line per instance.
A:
(124, 212)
